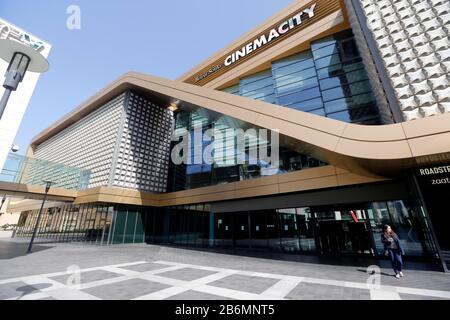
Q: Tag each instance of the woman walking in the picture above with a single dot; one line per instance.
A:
(393, 249)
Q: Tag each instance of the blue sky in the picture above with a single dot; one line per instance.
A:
(163, 38)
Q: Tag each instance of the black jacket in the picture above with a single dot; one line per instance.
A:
(387, 243)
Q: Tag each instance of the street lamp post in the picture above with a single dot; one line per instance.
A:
(3, 201)
(21, 58)
(48, 184)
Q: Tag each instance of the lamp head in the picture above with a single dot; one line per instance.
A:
(15, 148)
(48, 184)
(9, 47)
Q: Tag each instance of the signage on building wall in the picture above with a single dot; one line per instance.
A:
(437, 176)
(9, 32)
(264, 40)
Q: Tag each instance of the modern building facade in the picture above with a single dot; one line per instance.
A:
(18, 103)
(356, 94)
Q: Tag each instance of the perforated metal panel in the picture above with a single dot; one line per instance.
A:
(143, 156)
(89, 143)
(412, 37)
(125, 143)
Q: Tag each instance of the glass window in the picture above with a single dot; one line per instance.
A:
(250, 87)
(328, 61)
(299, 96)
(296, 58)
(325, 51)
(305, 226)
(273, 230)
(308, 105)
(349, 49)
(341, 116)
(289, 230)
(292, 68)
(297, 82)
(343, 78)
(241, 229)
(322, 43)
(319, 112)
(336, 105)
(130, 226)
(333, 94)
(406, 226)
(233, 89)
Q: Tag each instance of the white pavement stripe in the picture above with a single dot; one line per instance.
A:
(104, 282)
(162, 270)
(425, 292)
(121, 271)
(167, 281)
(31, 296)
(61, 273)
(128, 264)
(262, 275)
(50, 288)
(180, 286)
(229, 293)
(132, 275)
(338, 283)
(71, 294)
(376, 294)
(282, 288)
(162, 294)
(185, 265)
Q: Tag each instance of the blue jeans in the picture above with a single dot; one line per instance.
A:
(396, 259)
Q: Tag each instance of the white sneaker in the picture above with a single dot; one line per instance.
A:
(401, 274)
(397, 275)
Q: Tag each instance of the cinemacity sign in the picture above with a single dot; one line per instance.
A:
(263, 40)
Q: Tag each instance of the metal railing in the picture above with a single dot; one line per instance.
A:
(32, 171)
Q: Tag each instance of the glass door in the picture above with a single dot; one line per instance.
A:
(241, 230)
(344, 231)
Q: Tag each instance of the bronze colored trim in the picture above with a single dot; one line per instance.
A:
(368, 150)
(304, 180)
(36, 192)
(298, 181)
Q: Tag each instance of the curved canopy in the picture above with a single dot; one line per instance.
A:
(377, 150)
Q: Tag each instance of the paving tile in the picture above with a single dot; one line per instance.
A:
(88, 276)
(312, 291)
(58, 257)
(16, 289)
(195, 295)
(145, 267)
(186, 274)
(124, 290)
(245, 283)
(405, 296)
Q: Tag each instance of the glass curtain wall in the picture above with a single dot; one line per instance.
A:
(183, 225)
(80, 223)
(329, 80)
(330, 230)
(192, 124)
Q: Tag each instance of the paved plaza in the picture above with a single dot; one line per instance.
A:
(149, 272)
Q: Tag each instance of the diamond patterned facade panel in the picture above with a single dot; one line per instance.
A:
(89, 143)
(413, 39)
(143, 157)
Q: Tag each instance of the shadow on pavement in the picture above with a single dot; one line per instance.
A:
(351, 261)
(10, 250)
(27, 289)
